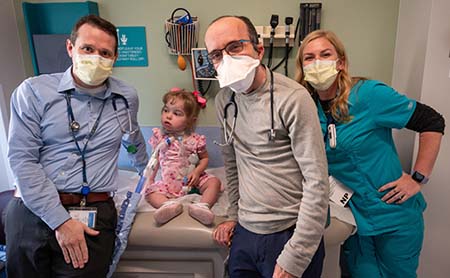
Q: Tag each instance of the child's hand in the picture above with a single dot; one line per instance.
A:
(193, 179)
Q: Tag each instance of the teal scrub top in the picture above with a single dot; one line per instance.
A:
(365, 157)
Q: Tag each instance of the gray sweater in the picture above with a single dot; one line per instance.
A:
(275, 185)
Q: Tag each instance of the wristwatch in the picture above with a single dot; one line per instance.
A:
(419, 177)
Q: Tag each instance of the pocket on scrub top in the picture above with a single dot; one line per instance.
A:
(62, 174)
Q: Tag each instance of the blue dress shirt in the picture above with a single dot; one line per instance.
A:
(42, 153)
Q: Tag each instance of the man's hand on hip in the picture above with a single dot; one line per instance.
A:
(70, 237)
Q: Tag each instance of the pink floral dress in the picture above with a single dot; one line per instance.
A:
(176, 161)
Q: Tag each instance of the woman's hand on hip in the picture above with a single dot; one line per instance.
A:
(400, 190)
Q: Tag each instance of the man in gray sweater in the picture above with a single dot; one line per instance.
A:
(275, 161)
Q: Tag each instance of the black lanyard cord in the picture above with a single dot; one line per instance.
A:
(82, 153)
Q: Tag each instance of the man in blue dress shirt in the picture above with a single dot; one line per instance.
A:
(65, 134)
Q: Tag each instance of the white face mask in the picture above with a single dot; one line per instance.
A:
(92, 70)
(321, 74)
(237, 72)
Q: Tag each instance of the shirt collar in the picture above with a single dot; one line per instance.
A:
(66, 82)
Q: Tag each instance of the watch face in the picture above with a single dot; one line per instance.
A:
(419, 177)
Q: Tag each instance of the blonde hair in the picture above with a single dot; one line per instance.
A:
(339, 106)
(190, 105)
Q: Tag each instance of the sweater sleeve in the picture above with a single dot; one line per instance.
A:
(301, 120)
(229, 159)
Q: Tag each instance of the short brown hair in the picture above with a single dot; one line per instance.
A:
(191, 106)
(97, 22)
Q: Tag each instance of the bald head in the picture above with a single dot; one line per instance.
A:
(230, 19)
(233, 28)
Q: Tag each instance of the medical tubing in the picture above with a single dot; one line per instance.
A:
(271, 102)
(194, 84)
(207, 88)
(290, 49)
(127, 106)
(151, 165)
(269, 62)
(200, 87)
(88, 137)
(140, 184)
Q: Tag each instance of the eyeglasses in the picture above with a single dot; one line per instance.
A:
(232, 48)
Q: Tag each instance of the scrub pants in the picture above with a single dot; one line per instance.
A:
(32, 249)
(254, 255)
(389, 255)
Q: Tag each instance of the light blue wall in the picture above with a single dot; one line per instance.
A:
(367, 27)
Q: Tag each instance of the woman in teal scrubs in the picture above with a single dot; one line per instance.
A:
(357, 117)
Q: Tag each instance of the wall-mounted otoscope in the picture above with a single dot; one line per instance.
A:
(273, 24)
(287, 21)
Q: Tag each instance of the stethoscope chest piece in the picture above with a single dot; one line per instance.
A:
(75, 126)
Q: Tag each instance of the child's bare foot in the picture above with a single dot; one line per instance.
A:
(167, 211)
(201, 212)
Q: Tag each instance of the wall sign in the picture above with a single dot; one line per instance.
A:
(132, 47)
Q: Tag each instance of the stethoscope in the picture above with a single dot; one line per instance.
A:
(75, 126)
(228, 135)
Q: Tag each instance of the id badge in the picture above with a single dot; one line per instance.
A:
(339, 193)
(86, 215)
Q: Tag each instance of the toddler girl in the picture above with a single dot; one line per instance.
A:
(182, 158)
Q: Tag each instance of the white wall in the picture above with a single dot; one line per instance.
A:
(421, 69)
(409, 60)
(12, 72)
(436, 92)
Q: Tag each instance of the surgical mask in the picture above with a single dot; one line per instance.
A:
(92, 70)
(237, 72)
(321, 74)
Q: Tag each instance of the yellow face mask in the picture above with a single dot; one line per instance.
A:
(92, 70)
(321, 74)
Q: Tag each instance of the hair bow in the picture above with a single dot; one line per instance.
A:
(175, 89)
(200, 100)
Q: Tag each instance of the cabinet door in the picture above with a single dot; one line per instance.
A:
(164, 269)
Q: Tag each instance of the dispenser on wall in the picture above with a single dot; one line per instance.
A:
(181, 35)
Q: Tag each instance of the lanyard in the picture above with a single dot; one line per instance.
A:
(85, 187)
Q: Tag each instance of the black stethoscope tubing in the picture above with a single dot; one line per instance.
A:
(228, 136)
(74, 127)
